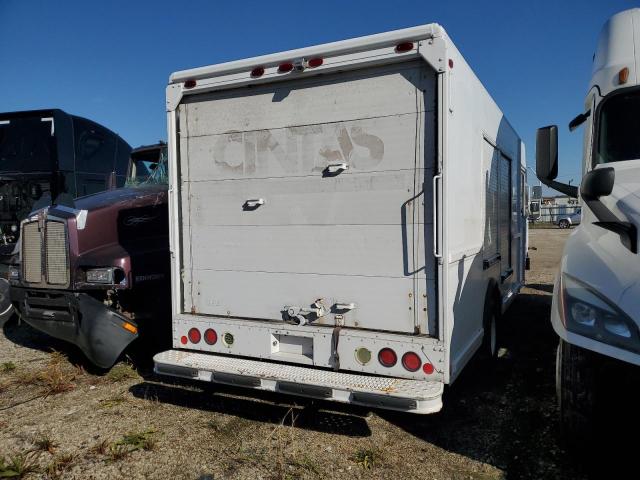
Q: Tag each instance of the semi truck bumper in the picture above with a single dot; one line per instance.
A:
(6, 308)
(100, 332)
(417, 396)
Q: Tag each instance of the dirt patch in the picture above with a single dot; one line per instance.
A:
(61, 419)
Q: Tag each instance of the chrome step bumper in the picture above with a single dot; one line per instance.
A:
(416, 396)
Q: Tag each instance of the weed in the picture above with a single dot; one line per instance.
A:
(43, 443)
(100, 448)
(121, 372)
(7, 367)
(112, 401)
(60, 464)
(18, 466)
(367, 458)
(130, 443)
(118, 452)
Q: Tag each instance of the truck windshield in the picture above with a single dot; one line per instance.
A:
(618, 138)
(26, 145)
(149, 168)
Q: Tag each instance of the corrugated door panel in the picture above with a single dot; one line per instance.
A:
(491, 180)
(505, 212)
(345, 238)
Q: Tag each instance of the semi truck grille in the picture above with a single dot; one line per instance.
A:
(45, 253)
(56, 253)
(31, 253)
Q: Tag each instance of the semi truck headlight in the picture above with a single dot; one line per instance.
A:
(586, 312)
(100, 275)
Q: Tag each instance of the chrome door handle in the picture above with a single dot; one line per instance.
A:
(254, 203)
(337, 167)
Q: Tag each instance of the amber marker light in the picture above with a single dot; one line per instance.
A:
(623, 75)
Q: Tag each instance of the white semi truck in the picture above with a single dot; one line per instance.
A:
(347, 220)
(596, 298)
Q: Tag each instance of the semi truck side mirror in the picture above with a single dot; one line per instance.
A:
(547, 153)
(597, 183)
(547, 160)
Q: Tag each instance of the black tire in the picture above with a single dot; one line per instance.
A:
(490, 324)
(563, 224)
(578, 391)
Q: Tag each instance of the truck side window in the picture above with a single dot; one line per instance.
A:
(95, 148)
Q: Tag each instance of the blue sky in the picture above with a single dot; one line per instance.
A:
(110, 60)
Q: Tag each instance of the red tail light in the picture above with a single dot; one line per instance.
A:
(428, 368)
(315, 62)
(404, 47)
(210, 336)
(184, 339)
(194, 335)
(285, 67)
(257, 72)
(387, 357)
(189, 84)
(411, 361)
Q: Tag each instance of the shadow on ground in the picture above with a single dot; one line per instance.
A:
(262, 407)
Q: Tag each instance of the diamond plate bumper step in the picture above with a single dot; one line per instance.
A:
(416, 396)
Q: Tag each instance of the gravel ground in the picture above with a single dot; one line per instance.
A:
(61, 419)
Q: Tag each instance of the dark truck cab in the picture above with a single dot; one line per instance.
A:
(50, 157)
(96, 274)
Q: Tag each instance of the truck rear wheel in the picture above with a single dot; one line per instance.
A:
(577, 388)
(563, 224)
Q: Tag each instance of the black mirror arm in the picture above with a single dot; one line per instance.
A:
(569, 190)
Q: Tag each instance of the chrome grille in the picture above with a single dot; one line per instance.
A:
(31, 253)
(56, 253)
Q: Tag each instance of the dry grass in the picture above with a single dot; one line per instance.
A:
(121, 372)
(57, 377)
(100, 448)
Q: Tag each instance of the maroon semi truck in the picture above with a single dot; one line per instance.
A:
(96, 274)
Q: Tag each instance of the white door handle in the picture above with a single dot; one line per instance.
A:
(255, 202)
(337, 167)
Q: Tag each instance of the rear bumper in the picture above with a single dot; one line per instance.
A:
(76, 318)
(416, 396)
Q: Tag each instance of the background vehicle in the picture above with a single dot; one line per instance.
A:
(47, 157)
(96, 274)
(571, 220)
(347, 220)
(596, 300)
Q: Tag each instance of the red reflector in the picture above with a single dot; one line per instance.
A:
(285, 67)
(411, 361)
(210, 336)
(404, 47)
(450, 63)
(257, 72)
(387, 357)
(183, 340)
(427, 368)
(189, 84)
(194, 335)
(315, 62)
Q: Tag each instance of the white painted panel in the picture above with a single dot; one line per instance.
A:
(339, 97)
(264, 296)
(355, 250)
(373, 144)
(381, 198)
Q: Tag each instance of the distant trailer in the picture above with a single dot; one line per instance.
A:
(347, 220)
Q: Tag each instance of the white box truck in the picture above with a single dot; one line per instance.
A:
(596, 298)
(347, 220)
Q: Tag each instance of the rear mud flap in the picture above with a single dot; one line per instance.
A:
(87, 323)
